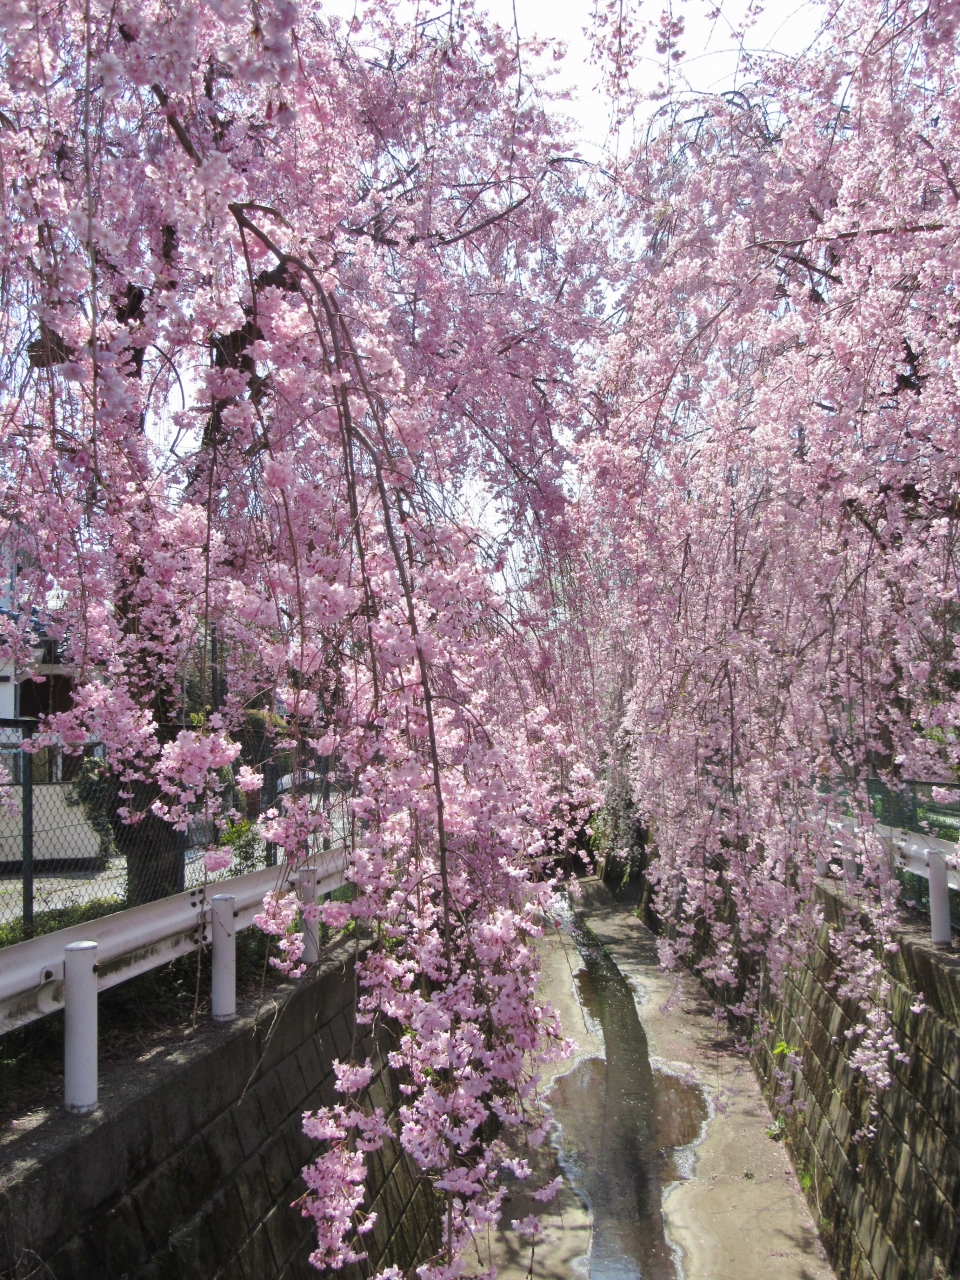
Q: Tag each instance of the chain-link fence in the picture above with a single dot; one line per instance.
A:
(929, 809)
(67, 855)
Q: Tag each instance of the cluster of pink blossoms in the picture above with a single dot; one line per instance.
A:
(335, 1180)
(189, 771)
(279, 920)
(766, 577)
(282, 306)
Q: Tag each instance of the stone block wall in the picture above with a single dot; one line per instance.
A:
(189, 1167)
(888, 1205)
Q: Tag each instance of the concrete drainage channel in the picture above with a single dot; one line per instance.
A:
(188, 1168)
(625, 1129)
(661, 1129)
(189, 1165)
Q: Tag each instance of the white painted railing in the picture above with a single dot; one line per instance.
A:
(68, 968)
(937, 861)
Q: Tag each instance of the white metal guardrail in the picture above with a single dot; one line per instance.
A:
(936, 860)
(69, 967)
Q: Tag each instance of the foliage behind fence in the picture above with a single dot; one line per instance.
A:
(67, 855)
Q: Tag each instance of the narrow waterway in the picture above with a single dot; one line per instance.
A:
(622, 1127)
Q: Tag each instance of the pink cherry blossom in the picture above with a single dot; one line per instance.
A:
(217, 859)
(335, 914)
(284, 310)
(278, 919)
(351, 1079)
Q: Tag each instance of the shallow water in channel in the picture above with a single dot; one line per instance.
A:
(624, 1128)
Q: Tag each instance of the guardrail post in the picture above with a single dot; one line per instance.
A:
(80, 1031)
(311, 928)
(224, 931)
(939, 898)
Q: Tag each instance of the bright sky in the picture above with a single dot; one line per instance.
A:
(715, 58)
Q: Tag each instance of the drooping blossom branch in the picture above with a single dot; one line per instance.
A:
(279, 304)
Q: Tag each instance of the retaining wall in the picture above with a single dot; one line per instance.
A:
(189, 1167)
(888, 1205)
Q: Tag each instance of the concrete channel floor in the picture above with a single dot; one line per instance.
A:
(742, 1214)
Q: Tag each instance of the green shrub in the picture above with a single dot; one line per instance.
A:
(249, 847)
(61, 918)
(94, 791)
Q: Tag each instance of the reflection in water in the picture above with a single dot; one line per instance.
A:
(620, 1123)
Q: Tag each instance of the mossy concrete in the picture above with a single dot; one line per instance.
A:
(189, 1169)
(883, 1172)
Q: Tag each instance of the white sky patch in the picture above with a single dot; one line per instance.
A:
(717, 49)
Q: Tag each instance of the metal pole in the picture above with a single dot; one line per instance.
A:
(311, 927)
(214, 668)
(80, 1015)
(26, 797)
(822, 864)
(939, 898)
(850, 875)
(224, 930)
(269, 796)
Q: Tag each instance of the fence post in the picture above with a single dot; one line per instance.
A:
(224, 931)
(822, 864)
(80, 1030)
(311, 928)
(26, 830)
(850, 877)
(269, 795)
(939, 898)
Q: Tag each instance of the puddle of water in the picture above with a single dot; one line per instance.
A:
(622, 1127)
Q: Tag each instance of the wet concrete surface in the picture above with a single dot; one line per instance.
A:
(742, 1214)
(661, 1130)
(623, 1128)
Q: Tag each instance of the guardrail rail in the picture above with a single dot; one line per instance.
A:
(934, 860)
(67, 969)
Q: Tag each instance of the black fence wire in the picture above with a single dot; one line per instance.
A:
(67, 855)
(929, 809)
